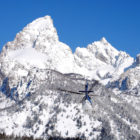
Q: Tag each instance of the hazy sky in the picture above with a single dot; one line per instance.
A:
(78, 22)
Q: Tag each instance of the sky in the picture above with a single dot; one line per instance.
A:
(78, 22)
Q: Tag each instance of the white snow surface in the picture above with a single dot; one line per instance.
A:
(28, 56)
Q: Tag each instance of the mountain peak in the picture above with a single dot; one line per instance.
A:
(103, 40)
(39, 32)
(41, 23)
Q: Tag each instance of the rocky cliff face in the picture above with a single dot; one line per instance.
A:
(138, 59)
(40, 80)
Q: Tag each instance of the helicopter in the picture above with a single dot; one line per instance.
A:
(86, 91)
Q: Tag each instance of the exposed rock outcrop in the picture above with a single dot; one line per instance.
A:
(138, 59)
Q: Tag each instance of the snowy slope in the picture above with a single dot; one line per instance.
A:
(28, 55)
(55, 109)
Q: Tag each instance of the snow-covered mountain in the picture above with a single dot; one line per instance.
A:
(130, 80)
(37, 45)
(40, 80)
(101, 61)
